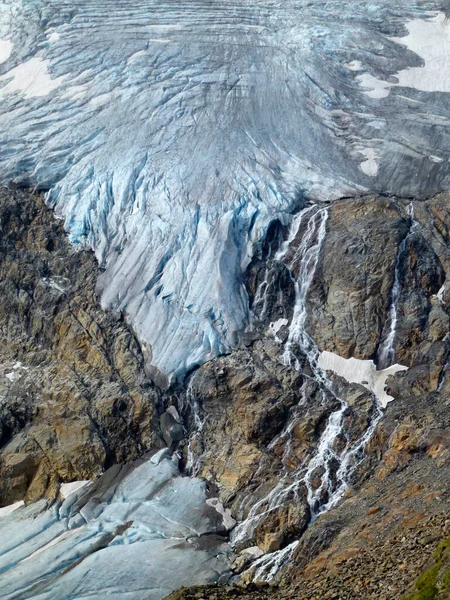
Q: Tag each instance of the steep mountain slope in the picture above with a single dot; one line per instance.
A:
(74, 396)
(335, 493)
(170, 135)
(237, 361)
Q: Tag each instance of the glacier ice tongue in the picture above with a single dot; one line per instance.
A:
(133, 534)
(170, 134)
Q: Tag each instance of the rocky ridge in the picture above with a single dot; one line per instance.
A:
(74, 396)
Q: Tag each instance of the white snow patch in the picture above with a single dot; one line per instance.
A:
(15, 374)
(100, 100)
(31, 78)
(376, 88)
(7, 510)
(440, 294)
(67, 489)
(5, 50)
(359, 371)
(275, 327)
(53, 284)
(430, 39)
(370, 165)
(228, 521)
(355, 65)
(54, 36)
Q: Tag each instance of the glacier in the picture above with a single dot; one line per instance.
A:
(169, 135)
(140, 531)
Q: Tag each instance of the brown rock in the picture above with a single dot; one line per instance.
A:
(78, 399)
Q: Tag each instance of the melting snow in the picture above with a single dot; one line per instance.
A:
(359, 371)
(275, 327)
(31, 78)
(440, 294)
(430, 39)
(67, 489)
(15, 374)
(370, 165)
(5, 50)
(376, 88)
(7, 510)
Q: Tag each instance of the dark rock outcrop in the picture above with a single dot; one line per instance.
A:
(74, 396)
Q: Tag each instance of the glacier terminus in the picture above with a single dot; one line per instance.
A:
(169, 136)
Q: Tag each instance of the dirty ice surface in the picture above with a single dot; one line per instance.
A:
(137, 533)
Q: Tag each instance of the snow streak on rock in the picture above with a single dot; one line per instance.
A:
(170, 134)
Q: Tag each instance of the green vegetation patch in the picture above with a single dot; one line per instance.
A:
(436, 579)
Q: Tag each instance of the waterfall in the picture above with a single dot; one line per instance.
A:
(325, 477)
(260, 300)
(335, 467)
(305, 260)
(192, 406)
(268, 565)
(386, 351)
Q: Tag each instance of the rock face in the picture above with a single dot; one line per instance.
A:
(263, 415)
(348, 304)
(351, 294)
(74, 395)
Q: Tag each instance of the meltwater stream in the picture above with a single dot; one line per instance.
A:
(386, 351)
(301, 254)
